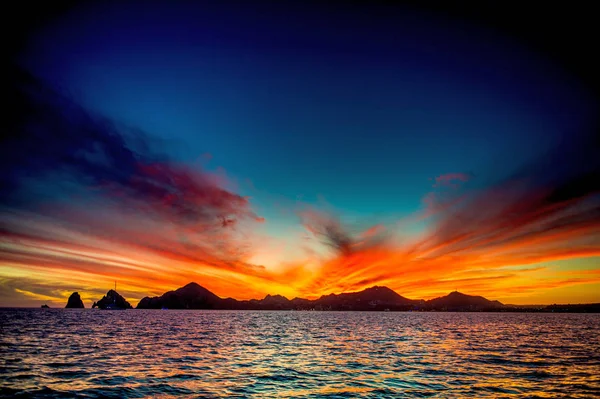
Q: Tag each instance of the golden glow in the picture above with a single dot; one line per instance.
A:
(47, 265)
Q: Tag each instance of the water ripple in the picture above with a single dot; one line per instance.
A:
(68, 353)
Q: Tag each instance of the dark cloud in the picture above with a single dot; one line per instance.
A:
(48, 138)
(340, 238)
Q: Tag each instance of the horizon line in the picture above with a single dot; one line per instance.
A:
(316, 298)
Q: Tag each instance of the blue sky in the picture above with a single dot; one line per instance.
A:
(363, 120)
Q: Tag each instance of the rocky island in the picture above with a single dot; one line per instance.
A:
(75, 302)
(112, 300)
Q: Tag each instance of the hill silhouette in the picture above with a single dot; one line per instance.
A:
(374, 298)
(377, 298)
(457, 301)
(194, 296)
(191, 296)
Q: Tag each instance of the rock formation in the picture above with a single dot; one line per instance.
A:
(112, 300)
(75, 302)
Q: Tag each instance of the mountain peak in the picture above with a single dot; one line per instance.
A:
(276, 296)
(459, 301)
(194, 288)
(193, 285)
(190, 296)
(366, 299)
(382, 293)
(379, 288)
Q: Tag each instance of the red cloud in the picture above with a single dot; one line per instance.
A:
(449, 179)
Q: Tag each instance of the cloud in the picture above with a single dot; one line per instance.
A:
(330, 231)
(54, 138)
(548, 210)
(545, 204)
(451, 179)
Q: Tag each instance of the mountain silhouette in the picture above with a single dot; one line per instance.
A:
(374, 298)
(194, 296)
(457, 301)
(275, 302)
(191, 296)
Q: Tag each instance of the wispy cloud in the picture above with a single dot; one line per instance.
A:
(548, 210)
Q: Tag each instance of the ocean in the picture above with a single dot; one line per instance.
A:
(85, 353)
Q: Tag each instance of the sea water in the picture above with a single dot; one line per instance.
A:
(62, 353)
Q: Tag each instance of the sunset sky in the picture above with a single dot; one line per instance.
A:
(296, 150)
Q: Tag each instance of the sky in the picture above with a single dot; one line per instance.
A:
(295, 149)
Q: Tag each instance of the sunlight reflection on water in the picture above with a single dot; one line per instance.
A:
(140, 353)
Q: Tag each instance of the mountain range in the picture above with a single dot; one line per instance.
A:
(194, 296)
